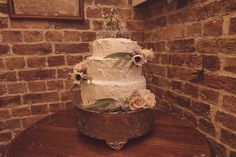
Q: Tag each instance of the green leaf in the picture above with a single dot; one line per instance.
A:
(118, 55)
(101, 104)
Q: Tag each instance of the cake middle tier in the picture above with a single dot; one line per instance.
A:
(112, 70)
(118, 90)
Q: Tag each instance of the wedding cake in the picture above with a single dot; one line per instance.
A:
(113, 75)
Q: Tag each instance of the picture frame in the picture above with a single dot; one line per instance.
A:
(46, 9)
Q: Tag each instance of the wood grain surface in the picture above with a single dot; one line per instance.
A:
(57, 136)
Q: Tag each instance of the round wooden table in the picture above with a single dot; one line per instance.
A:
(57, 136)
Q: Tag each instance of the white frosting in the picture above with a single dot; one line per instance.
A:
(105, 47)
(105, 69)
(109, 89)
(109, 81)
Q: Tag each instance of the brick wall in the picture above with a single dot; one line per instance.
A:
(35, 58)
(190, 36)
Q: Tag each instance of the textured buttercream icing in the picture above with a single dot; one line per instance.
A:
(105, 69)
(110, 80)
(105, 47)
(109, 89)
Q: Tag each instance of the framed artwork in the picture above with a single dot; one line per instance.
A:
(47, 9)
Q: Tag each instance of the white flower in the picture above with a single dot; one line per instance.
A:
(149, 54)
(78, 77)
(139, 60)
(149, 98)
(136, 103)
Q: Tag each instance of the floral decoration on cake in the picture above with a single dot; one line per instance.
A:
(137, 57)
(138, 100)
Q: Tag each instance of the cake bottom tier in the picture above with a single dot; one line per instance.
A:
(109, 89)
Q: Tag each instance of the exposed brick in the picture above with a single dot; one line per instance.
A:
(157, 22)
(39, 109)
(10, 124)
(229, 104)
(72, 48)
(5, 136)
(178, 59)
(111, 2)
(213, 28)
(184, 45)
(88, 36)
(217, 148)
(56, 107)
(232, 154)
(15, 63)
(66, 96)
(40, 97)
(53, 36)
(219, 82)
(8, 76)
(171, 32)
(135, 25)
(21, 111)
(213, 46)
(3, 89)
(4, 49)
(2, 66)
(4, 114)
(194, 61)
(207, 127)
(94, 12)
(55, 85)
(63, 73)
(230, 65)
(3, 8)
(232, 29)
(11, 36)
(177, 86)
(211, 63)
(72, 60)
(72, 25)
(228, 138)
(193, 30)
(37, 86)
(181, 4)
(10, 101)
(97, 25)
(201, 109)
(227, 120)
(36, 62)
(72, 36)
(32, 49)
(3, 22)
(33, 36)
(56, 61)
(209, 95)
(34, 24)
(178, 100)
(191, 90)
(165, 59)
(31, 75)
(16, 88)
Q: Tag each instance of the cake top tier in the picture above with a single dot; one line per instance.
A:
(105, 47)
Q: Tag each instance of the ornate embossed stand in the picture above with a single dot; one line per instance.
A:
(115, 129)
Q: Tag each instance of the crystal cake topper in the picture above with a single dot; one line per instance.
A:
(113, 26)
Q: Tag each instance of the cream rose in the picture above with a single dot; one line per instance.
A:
(149, 98)
(136, 103)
